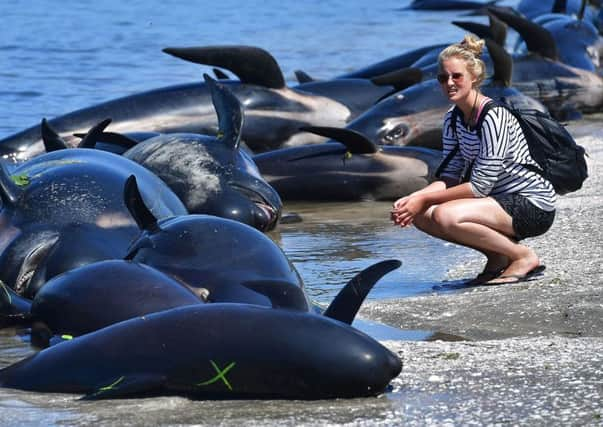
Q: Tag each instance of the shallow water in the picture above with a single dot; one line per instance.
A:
(71, 54)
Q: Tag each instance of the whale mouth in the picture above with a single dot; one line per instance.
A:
(270, 213)
(260, 202)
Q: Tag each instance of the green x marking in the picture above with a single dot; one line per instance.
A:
(20, 180)
(221, 375)
(108, 387)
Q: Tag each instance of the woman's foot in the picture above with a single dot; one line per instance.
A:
(494, 267)
(519, 269)
(496, 264)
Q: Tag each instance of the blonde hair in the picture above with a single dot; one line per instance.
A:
(470, 51)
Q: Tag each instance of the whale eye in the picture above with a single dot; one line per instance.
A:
(396, 133)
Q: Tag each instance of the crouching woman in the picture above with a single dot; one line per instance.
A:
(486, 198)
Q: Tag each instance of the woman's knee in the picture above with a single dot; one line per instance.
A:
(444, 218)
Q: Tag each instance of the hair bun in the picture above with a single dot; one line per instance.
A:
(473, 45)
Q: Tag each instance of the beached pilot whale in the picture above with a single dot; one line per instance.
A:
(65, 209)
(211, 175)
(413, 117)
(351, 167)
(76, 302)
(229, 260)
(274, 112)
(213, 351)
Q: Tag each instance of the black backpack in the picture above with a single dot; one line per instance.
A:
(561, 161)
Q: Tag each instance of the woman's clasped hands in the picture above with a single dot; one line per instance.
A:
(406, 208)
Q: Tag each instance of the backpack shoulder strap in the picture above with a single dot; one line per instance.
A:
(453, 118)
(487, 107)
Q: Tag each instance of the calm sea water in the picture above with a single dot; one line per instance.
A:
(56, 57)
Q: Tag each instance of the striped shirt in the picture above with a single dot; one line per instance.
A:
(497, 160)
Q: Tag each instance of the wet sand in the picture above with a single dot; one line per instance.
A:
(533, 351)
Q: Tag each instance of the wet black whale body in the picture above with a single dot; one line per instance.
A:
(229, 260)
(213, 351)
(76, 302)
(213, 175)
(352, 168)
(65, 208)
(274, 112)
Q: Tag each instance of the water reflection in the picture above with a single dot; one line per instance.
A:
(335, 241)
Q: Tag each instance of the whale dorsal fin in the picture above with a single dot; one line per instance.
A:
(229, 111)
(346, 304)
(502, 63)
(252, 65)
(138, 209)
(303, 77)
(481, 30)
(220, 75)
(94, 135)
(399, 79)
(9, 188)
(355, 142)
(496, 30)
(112, 138)
(538, 39)
(52, 140)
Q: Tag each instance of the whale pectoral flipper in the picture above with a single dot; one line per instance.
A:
(348, 301)
(126, 386)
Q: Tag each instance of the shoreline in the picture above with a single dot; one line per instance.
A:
(533, 351)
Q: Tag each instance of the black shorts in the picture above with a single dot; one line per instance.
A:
(528, 220)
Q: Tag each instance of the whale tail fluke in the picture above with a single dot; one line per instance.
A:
(346, 304)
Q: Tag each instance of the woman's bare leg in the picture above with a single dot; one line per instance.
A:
(483, 225)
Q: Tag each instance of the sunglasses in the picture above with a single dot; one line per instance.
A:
(456, 77)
